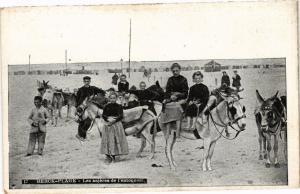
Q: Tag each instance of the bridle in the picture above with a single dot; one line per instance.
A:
(231, 118)
(278, 120)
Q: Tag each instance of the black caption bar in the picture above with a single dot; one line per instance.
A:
(86, 181)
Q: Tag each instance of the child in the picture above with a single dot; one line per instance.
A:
(198, 96)
(123, 85)
(114, 141)
(38, 119)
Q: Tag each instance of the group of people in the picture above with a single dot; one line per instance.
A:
(236, 80)
(114, 142)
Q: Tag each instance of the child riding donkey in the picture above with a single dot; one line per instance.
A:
(197, 99)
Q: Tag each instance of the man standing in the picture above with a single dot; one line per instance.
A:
(84, 92)
(236, 80)
(225, 79)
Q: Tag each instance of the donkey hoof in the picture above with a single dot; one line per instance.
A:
(260, 157)
(139, 156)
(277, 165)
(268, 165)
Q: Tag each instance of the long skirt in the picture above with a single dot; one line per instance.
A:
(114, 141)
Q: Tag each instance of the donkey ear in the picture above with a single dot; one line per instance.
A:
(275, 96)
(259, 98)
(157, 84)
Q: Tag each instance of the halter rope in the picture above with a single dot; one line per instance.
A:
(224, 125)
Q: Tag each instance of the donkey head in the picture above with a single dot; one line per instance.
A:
(269, 113)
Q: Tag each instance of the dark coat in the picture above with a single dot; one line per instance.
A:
(123, 87)
(200, 94)
(85, 92)
(179, 85)
(113, 110)
(236, 81)
(225, 79)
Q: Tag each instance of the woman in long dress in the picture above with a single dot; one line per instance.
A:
(114, 142)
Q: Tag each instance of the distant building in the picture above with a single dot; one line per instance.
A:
(212, 66)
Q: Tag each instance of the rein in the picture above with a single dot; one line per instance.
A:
(224, 125)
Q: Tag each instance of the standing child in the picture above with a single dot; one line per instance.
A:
(38, 119)
(114, 141)
(198, 97)
(123, 85)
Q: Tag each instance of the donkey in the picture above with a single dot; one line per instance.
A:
(270, 118)
(228, 113)
(53, 101)
(137, 121)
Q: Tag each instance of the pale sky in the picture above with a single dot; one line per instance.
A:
(159, 32)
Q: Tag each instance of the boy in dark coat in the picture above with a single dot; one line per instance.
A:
(123, 85)
(225, 79)
(236, 80)
(197, 99)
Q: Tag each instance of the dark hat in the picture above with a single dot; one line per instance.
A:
(87, 77)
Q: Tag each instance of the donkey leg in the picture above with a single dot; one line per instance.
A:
(277, 165)
(269, 147)
(150, 138)
(153, 147)
(285, 145)
(210, 153)
(68, 111)
(260, 141)
(168, 147)
(173, 138)
(206, 145)
(143, 145)
(59, 113)
(264, 142)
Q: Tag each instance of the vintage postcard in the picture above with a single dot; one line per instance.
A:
(150, 97)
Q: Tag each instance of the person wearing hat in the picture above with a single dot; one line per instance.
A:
(236, 80)
(225, 79)
(85, 91)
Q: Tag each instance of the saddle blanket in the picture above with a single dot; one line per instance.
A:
(173, 112)
(133, 113)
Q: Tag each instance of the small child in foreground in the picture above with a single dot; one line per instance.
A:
(38, 118)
